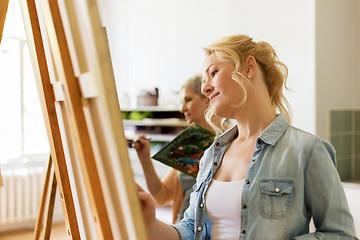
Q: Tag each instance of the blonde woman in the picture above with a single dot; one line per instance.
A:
(263, 179)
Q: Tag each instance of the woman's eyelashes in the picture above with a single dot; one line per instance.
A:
(213, 73)
(188, 100)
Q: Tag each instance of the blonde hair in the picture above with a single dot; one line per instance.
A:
(236, 49)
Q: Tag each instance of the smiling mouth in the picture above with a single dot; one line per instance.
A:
(211, 98)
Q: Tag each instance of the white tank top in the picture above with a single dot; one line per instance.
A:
(223, 206)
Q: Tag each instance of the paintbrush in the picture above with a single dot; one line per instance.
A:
(138, 140)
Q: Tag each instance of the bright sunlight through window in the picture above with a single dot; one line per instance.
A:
(22, 129)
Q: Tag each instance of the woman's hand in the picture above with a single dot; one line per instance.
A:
(147, 206)
(142, 147)
(156, 230)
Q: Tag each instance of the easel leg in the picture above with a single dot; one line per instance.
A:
(39, 220)
(49, 178)
(36, 46)
(50, 208)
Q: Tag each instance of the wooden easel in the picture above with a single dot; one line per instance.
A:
(77, 91)
(49, 178)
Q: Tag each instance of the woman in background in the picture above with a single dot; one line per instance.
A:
(176, 186)
(263, 179)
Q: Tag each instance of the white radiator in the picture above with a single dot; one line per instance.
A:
(20, 195)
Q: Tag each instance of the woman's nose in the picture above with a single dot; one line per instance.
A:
(183, 108)
(206, 89)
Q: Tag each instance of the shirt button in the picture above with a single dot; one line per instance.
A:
(201, 205)
(253, 160)
(215, 163)
(243, 231)
(199, 228)
(277, 190)
(217, 144)
(244, 206)
(247, 182)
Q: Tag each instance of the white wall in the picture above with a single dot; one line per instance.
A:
(337, 59)
(159, 43)
(289, 26)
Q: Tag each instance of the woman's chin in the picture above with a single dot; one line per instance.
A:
(218, 112)
(221, 114)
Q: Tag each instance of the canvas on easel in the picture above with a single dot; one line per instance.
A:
(76, 85)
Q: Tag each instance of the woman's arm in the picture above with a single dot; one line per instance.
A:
(169, 188)
(142, 147)
(162, 190)
(156, 230)
(325, 197)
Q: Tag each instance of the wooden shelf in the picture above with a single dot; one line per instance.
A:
(165, 138)
(163, 125)
(150, 109)
(164, 122)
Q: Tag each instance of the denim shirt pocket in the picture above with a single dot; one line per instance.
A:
(276, 196)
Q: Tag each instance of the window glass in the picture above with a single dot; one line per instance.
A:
(22, 129)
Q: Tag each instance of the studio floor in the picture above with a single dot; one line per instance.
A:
(58, 232)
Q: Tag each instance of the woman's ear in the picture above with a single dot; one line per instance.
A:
(250, 64)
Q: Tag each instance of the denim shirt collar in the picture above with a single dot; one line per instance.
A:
(270, 135)
(274, 131)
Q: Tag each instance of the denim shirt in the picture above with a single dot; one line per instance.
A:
(291, 178)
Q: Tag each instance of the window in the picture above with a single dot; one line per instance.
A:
(345, 137)
(22, 128)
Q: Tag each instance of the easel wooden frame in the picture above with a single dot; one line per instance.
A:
(77, 91)
(50, 178)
